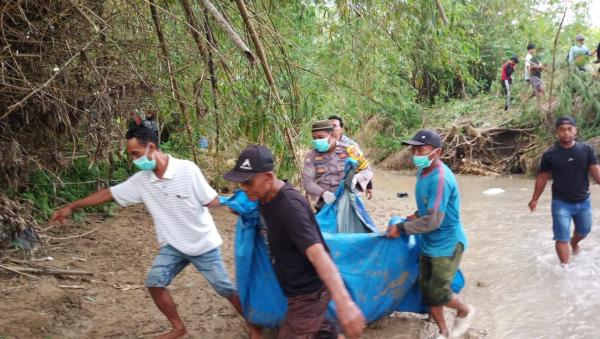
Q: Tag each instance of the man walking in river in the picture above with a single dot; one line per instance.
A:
(569, 163)
(444, 240)
(177, 196)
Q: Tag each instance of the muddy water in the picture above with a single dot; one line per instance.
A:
(513, 275)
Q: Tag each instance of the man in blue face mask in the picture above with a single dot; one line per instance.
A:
(443, 237)
(177, 196)
(324, 166)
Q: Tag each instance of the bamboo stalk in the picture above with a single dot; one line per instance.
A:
(174, 86)
(260, 51)
(213, 79)
(228, 29)
(554, 58)
(440, 8)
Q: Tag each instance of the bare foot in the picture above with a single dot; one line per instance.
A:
(574, 247)
(175, 333)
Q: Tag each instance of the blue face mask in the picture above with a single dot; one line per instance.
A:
(145, 164)
(422, 161)
(321, 145)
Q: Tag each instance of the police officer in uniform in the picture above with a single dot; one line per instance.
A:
(324, 165)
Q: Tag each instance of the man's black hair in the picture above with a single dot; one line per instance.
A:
(335, 117)
(530, 46)
(143, 134)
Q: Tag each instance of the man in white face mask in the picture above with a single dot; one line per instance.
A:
(177, 196)
(324, 165)
(443, 237)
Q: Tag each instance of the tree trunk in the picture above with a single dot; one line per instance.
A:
(174, 86)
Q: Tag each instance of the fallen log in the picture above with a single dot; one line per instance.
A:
(45, 270)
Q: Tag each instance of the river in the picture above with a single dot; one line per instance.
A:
(513, 275)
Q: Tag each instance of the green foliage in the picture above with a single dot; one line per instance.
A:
(394, 62)
(46, 191)
(578, 97)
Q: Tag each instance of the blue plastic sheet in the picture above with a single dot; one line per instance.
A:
(380, 274)
(348, 213)
(261, 296)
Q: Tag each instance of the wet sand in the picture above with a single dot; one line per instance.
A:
(113, 304)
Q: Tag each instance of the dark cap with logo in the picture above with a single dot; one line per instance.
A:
(425, 137)
(322, 125)
(566, 120)
(253, 160)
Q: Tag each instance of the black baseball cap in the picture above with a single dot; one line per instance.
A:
(253, 160)
(566, 120)
(425, 137)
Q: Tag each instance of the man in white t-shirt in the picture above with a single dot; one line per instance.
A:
(177, 196)
(530, 52)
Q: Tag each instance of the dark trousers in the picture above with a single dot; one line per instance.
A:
(305, 318)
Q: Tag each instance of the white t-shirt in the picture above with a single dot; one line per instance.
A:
(176, 204)
(527, 64)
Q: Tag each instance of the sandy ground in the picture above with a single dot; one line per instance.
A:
(113, 304)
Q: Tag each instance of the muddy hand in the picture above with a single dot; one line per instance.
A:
(61, 214)
(351, 318)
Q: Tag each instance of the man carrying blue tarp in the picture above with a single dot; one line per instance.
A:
(302, 264)
(443, 238)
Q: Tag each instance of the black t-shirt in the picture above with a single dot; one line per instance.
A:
(570, 170)
(536, 71)
(291, 229)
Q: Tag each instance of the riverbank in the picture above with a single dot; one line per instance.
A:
(113, 304)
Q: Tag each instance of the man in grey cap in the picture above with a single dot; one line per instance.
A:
(443, 237)
(579, 53)
(569, 163)
(324, 165)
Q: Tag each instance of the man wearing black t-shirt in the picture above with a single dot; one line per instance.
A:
(569, 163)
(303, 266)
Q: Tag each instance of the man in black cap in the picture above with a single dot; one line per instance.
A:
(569, 163)
(443, 237)
(303, 266)
(324, 165)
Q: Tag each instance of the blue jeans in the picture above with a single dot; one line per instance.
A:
(563, 212)
(169, 262)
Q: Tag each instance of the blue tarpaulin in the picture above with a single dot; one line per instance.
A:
(347, 214)
(380, 274)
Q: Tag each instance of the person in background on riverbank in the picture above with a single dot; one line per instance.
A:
(507, 70)
(443, 237)
(339, 132)
(324, 165)
(530, 50)
(344, 140)
(301, 259)
(177, 196)
(579, 53)
(569, 163)
(534, 68)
